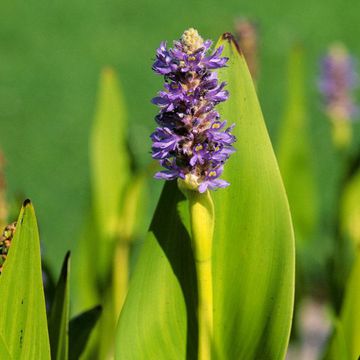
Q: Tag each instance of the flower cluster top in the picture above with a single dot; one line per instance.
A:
(338, 80)
(191, 142)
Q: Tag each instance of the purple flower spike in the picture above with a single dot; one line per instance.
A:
(191, 142)
(338, 80)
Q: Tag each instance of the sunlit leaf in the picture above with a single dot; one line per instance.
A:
(59, 315)
(23, 323)
(253, 256)
(4, 352)
(253, 240)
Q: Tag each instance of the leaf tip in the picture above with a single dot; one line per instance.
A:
(67, 255)
(108, 72)
(231, 39)
(26, 203)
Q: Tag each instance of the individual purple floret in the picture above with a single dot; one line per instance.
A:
(191, 142)
(338, 79)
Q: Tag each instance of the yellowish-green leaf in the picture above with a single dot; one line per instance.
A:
(253, 240)
(109, 154)
(4, 352)
(23, 323)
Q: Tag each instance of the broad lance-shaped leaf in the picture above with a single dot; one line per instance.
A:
(59, 315)
(295, 153)
(253, 240)
(23, 324)
(253, 257)
(345, 343)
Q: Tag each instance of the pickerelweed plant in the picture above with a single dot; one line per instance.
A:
(216, 266)
(192, 144)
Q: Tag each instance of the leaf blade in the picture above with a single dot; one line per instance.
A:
(23, 304)
(253, 239)
(165, 325)
(59, 315)
(4, 352)
(110, 164)
(80, 328)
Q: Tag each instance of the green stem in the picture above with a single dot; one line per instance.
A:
(121, 275)
(202, 227)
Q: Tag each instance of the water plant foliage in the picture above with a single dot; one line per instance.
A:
(253, 254)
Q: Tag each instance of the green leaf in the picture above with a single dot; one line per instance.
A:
(22, 305)
(80, 329)
(4, 352)
(158, 320)
(59, 315)
(295, 153)
(253, 254)
(110, 164)
(346, 339)
(253, 239)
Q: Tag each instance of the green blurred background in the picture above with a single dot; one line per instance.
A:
(51, 54)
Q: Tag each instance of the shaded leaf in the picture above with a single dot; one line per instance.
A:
(80, 329)
(59, 314)
(158, 319)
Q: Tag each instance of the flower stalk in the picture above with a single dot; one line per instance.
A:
(201, 209)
